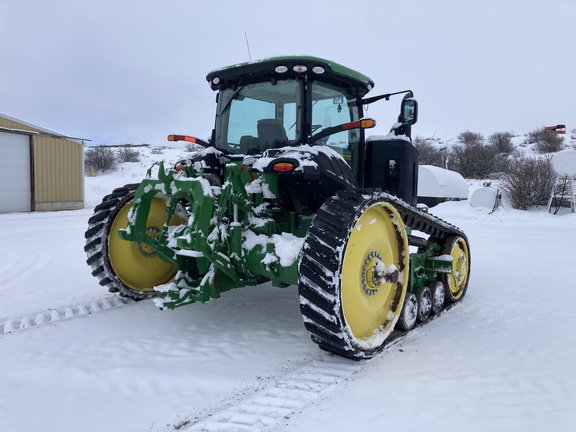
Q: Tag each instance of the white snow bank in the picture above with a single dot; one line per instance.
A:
(435, 182)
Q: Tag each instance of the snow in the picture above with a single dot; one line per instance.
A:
(303, 156)
(72, 358)
(441, 183)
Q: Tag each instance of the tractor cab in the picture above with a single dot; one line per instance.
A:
(287, 102)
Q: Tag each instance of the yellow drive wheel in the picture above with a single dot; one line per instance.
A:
(137, 265)
(371, 292)
(457, 282)
(129, 268)
(353, 273)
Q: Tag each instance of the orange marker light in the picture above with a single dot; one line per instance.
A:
(181, 138)
(368, 123)
(283, 167)
(361, 124)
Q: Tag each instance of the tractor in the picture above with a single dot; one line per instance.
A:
(289, 190)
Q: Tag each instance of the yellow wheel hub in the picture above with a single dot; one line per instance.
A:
(458, 279)
(138, 265)
(374, 272)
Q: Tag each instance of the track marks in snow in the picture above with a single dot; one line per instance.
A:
(18, 262)
(289, 393)
(51, 316)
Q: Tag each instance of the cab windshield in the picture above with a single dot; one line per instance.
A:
(254, 117)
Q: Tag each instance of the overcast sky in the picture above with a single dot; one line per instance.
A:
(133, 71)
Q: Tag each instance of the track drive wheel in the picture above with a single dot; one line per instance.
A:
(456, 283)
(353, 273)
(130, 268)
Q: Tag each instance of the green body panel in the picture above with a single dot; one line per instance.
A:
(425, 266)
(213, 254)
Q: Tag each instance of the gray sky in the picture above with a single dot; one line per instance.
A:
(133, 71)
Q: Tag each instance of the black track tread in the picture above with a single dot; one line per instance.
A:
(318, 262)
(97, 236)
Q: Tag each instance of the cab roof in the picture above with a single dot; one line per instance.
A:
(289, 67)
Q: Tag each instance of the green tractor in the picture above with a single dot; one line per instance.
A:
(289, 190)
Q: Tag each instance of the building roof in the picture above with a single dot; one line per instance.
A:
(37, 129)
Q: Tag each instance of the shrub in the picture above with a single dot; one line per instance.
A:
(99, 159)
(127, 154)
(191, 147)
(502, 141)
(472, 157)
(529, 182)
(545, 141)
(431, 151)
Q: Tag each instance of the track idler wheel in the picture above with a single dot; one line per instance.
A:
(457, 282)
(353, 274)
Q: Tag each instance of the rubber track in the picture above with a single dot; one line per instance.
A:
(319, 302)
(38, 319)
(96, 236)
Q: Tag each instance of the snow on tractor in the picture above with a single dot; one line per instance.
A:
(288, 189)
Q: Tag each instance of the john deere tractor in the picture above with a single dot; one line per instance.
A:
(289, 190)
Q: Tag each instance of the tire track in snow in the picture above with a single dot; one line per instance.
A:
(290, 393)
(13, 325)
(18, 262)
(277, 402)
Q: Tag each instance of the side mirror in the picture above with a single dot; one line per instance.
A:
(408, 111)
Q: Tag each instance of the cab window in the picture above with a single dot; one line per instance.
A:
(332, 106)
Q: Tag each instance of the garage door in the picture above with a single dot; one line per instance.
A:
(15, 184)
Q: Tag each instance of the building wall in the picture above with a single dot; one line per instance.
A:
(58, 174)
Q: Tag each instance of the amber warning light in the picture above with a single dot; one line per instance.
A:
(283, 167)
(362, 124)
(181, 138)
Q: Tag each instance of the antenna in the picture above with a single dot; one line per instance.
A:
(247, 45)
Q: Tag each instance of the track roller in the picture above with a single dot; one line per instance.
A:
(424, 296)
(409, 314)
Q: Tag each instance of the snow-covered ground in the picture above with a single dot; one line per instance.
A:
(73, 359)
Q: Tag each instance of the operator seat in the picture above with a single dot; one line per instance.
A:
(271, 133)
